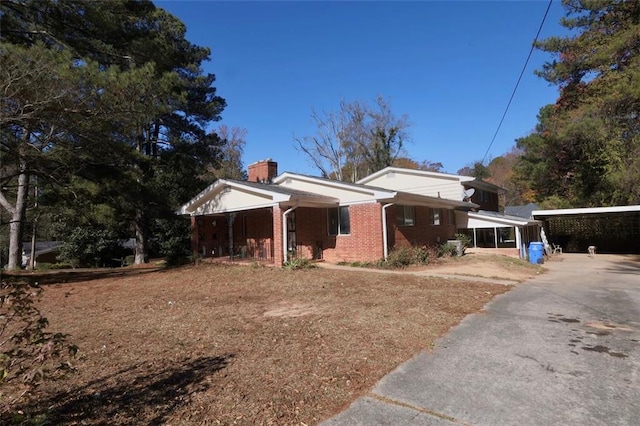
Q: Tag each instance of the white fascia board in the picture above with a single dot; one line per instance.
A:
(426, 200)
(502, 220)
(376, 193)
(199, 210)
(417, 172)
(220, 185)
(201, 198)
(587, 210)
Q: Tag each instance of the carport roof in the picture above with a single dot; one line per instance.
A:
(498, 218)
(582, 211)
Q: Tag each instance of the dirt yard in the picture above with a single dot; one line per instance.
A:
(220, 344)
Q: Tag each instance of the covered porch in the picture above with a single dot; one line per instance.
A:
(494, 230)
(249, 220)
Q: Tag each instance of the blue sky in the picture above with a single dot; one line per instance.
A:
(449, 66)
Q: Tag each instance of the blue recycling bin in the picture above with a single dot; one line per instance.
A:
(536, 253)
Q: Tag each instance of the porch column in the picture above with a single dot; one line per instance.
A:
(518, 241)
(194, 236)
(278, 250)
(495, 237)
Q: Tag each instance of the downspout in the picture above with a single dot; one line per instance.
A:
(385, 238)
(285, 231)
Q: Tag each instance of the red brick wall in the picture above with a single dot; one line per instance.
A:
(364, 243)
(491, 201)
(262, 171)
(422, 232)
(311, 232)
(259, 233)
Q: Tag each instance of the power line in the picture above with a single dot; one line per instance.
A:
(518, 82)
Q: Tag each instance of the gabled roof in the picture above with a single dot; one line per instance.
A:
(42, 247)
(266, 194)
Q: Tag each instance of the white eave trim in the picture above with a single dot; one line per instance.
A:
(277, 198)
(415, 172)
(376, 193)
(588, 210)
(510, 220)
(409, 198)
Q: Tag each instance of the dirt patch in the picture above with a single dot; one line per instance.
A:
(219, 344)
(488, 266)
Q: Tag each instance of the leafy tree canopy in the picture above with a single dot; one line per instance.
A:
(586, 147)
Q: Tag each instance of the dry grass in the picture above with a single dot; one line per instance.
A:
(213, 344)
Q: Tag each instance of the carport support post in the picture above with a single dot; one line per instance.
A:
(385, 238)
(518, 240)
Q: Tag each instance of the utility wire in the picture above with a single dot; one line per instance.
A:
(518, 82)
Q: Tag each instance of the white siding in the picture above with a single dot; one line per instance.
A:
(234, 199)
(345, 195)
(422, 185)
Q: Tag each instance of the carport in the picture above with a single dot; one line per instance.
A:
(610, 229)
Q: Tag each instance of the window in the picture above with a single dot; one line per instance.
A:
(405, 216)
(451, 217)
(436, 214)
(339, 221)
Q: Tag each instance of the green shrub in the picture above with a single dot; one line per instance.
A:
(43, 266)
(61, 265)
(466, 241)
(401, 257)
(447, 250)
(298, 263)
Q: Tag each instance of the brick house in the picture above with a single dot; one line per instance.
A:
(271, 216)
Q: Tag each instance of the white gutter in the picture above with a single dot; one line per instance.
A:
(284, 230)
(385, 247)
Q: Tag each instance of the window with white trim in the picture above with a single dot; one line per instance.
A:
(435, 216)
(405, 215)
(338, 221)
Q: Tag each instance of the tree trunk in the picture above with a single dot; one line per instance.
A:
(16, 226)
(141, 243)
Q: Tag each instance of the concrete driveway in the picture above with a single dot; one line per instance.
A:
(561, 349)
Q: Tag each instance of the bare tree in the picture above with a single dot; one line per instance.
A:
(233, 140)
(357, 140)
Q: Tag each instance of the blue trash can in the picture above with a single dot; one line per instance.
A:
(536, 253)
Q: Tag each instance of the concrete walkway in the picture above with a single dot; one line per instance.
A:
(560, 349)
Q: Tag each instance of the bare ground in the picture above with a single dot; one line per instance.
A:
(221, 344)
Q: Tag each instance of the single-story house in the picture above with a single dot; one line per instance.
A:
(45, 252)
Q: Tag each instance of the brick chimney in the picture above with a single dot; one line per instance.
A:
(263, 171)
